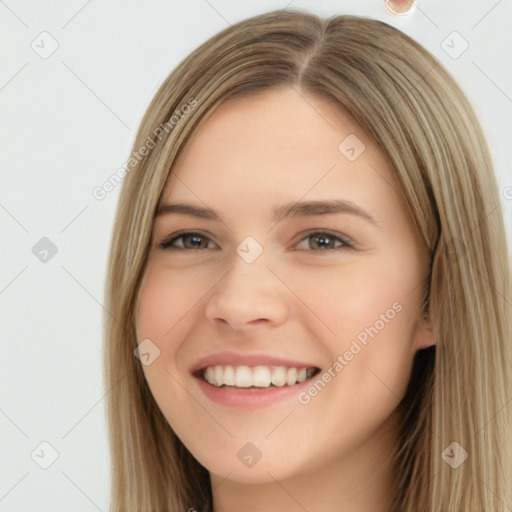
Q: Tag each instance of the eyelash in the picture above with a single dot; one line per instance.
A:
(167, 244)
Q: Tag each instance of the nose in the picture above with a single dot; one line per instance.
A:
(248, 296)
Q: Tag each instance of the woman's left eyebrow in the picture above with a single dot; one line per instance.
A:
(294, 209)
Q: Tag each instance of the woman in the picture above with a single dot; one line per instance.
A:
(309, 286)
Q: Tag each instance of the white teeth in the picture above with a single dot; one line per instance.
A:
(279, 376)
(291, 376)
(218, 373)
(258, 376)
(209, 375)
(243, 377)
(261, 377)
(229, 376)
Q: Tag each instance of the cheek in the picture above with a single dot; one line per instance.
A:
(369, 306)
(357, 294)
(166, 297)
(167, 308)
(164, 304)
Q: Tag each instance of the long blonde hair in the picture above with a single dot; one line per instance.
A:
(406, 102)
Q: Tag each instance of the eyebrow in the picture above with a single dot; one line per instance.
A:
(296, 209)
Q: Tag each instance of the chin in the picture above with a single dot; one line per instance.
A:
(237, 466)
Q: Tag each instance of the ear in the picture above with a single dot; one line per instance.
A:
(424, 335)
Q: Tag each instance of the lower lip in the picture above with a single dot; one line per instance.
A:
(250, 398)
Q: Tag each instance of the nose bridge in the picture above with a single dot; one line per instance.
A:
(247, 293)
(248, 264)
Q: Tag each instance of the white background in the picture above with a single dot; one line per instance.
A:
(67, 123)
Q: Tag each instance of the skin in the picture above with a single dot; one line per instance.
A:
(297, 300)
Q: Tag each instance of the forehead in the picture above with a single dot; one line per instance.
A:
(279, 145)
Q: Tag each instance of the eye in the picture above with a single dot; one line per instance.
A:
(323, 241)
(188, 240)
(317, 241)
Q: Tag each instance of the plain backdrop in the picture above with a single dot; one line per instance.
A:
(76, 77)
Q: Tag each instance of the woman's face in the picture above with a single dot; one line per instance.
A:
(282, 252)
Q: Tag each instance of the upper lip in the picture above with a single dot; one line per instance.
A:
(237, 359)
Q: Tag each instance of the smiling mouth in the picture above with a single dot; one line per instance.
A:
(255, 377)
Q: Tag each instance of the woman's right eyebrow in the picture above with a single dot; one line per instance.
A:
(189, 209)
(294, 209)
